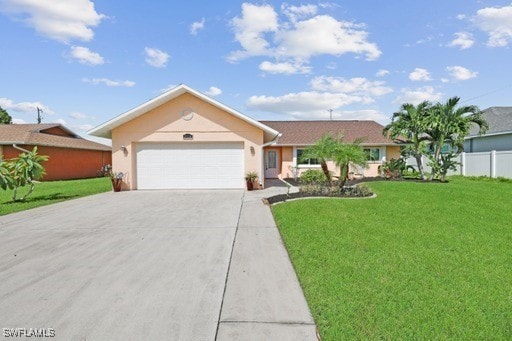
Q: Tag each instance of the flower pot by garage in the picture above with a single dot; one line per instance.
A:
(117, 184)
(250, 185)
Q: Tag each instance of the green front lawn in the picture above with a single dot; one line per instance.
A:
(50, 192)
(420, 261)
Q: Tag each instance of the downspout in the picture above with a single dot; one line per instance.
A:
(19, 148)
(274, 140)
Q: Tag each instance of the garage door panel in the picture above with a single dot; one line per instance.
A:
(190, 165)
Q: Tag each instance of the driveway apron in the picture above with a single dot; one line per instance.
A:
(140, 265)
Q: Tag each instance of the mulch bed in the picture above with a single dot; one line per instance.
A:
(301, 195)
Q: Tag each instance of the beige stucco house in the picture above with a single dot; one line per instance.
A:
(184, 139)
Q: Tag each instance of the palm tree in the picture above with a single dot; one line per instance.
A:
(410, 123)
(349, 154)
(324, 149)
(449, 125)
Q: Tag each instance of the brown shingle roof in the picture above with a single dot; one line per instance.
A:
(45, 135)
(308, 132)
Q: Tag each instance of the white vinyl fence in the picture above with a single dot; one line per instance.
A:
(492, 164)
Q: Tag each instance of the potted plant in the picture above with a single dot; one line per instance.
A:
(250, 178)
(115, 177)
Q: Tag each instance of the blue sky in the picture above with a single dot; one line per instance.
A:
(84, 62)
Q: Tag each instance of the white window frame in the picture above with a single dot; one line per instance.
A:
(296, 159)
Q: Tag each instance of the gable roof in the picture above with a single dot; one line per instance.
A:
(499, 120)
(297, 133)
(46, 134)
(105, 129)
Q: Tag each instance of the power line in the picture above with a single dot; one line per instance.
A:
(488, 93)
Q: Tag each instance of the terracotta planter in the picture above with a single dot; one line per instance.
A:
(117, 184)
(250, 185)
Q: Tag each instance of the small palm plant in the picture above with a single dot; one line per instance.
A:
(24, 170)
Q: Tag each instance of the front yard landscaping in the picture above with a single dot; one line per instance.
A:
(420, 261)
(50, 192)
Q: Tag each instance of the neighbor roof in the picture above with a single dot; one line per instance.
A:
(499, 120)
(45, 135)
(105, 130)
(296, 133)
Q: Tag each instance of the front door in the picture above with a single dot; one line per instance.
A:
(271, 164)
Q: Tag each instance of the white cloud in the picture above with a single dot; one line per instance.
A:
(324, 34)
(358, 86)
(61, 20)
(284, 68)
(60, 121)
(382, 73)
(156, 57)
(463, 40)
(25, 107)
(85, 127)
(295, 13)
(416, 96)
(197, 26)
(302, 104)
(168, 87)
(250, 30)
(18, 121)
(373, 115)
(86, 56)
(461, 73)
(461, 16)
(300, 35)
(78, 115)
(108, 82)
(497, 23)
(213, 91)
(420, 75)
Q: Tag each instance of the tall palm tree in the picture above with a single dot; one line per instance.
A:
(449, 125)
(410, 124)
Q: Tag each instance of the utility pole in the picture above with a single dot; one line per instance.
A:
(330, 114)
(39, 117)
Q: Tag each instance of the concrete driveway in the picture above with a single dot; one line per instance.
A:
(150, 265)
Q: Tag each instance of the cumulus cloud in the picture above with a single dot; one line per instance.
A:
(420, 75)
(213, 91)
(61, 20)
(86, 56)
(197, 26)
(286, 68)
(463, 40)
(325, 93)
(24, 107)
(497, 23)
(78, 115)
(18, 121)
(358, 85)
(382, 73)
(300, 35)
(168, 87)
(461, 73)
(108, 82)
(156, 57)
(416, 96)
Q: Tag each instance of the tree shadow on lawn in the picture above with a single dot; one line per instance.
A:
(49, 197)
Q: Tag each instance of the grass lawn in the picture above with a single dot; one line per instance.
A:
(420, 261)
(50, 192)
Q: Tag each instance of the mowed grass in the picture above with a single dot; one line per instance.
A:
(420, 261)
(50, 192)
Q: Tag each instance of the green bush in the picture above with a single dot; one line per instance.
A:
(313, 176)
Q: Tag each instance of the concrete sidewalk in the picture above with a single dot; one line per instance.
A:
(263, 299)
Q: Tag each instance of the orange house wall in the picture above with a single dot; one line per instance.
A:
(66, 163)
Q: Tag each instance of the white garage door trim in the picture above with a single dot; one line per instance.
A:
(194, 165)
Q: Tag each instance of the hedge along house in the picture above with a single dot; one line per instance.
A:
(184, 139)
(70, 156)
(283, 159)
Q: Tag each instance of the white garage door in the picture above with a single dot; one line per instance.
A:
(190, 165)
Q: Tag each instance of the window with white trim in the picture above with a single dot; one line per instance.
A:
(372, 154)
(306, 162)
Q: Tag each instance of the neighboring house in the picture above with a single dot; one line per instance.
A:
(283, 158)
(499, 135)
(185, 139)
(70, 156)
